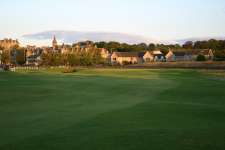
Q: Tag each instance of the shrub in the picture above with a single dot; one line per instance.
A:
(201, 58)
(6, 67)
(69, 70)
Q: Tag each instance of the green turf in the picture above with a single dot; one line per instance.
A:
(112, 110)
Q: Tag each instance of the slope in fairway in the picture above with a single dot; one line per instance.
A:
(112, 110)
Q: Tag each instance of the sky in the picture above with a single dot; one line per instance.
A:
(160, 19)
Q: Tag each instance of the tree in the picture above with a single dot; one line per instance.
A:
(142, 47)
(96, 56)
(188, 45)
(101, 44)
(5, 57)
(47, 59)
(86, 59)
(20, 56)
(1, 48)
(201, 58)
(151, 47)
(73, 60)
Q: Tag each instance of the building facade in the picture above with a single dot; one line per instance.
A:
(127, 57)
(188, 55)
(8, 43)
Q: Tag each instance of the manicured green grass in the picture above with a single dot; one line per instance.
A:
(112, 110)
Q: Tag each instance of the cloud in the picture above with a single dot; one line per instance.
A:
(75, 36)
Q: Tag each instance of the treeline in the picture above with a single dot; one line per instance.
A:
(73, 59)
(210, 44)
(123, 47)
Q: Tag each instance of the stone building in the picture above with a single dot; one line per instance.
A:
(126, 58)
(8, 43)
(54, 43)
(85, 46)
(189, 55)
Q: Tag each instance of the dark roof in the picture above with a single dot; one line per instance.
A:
(159, 55)
(194, 51)
(141, 54)
(191, 52)
(130, 54)
(179, 53)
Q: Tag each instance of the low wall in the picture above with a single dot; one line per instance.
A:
(185, 65)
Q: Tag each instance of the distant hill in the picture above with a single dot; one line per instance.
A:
(75, 36)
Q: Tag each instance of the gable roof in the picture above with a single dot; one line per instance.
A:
(141, 54)
(156, 52)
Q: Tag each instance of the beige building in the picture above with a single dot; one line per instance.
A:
(153, 56)
(148, 57)
(208, 53)
(30, 50)
(126, 57)
(8, 43)
(137, 57)
(66, 49)
(188, 55)
(178, 56)
(85, 46)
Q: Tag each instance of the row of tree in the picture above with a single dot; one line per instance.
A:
(123, 47)
(74, 59)
(17, 56)
(210, 44)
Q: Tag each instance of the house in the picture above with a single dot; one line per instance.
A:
(33, 60)
(137, 57)
(126, 57)
(148, 57)
(153, 56)
(178, 56)
(158, 56)
(208, 53)
(188, 55)
(33, 56)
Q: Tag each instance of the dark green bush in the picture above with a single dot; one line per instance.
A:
(200, 58)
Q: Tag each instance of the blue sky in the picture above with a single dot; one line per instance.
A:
(161, 19)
